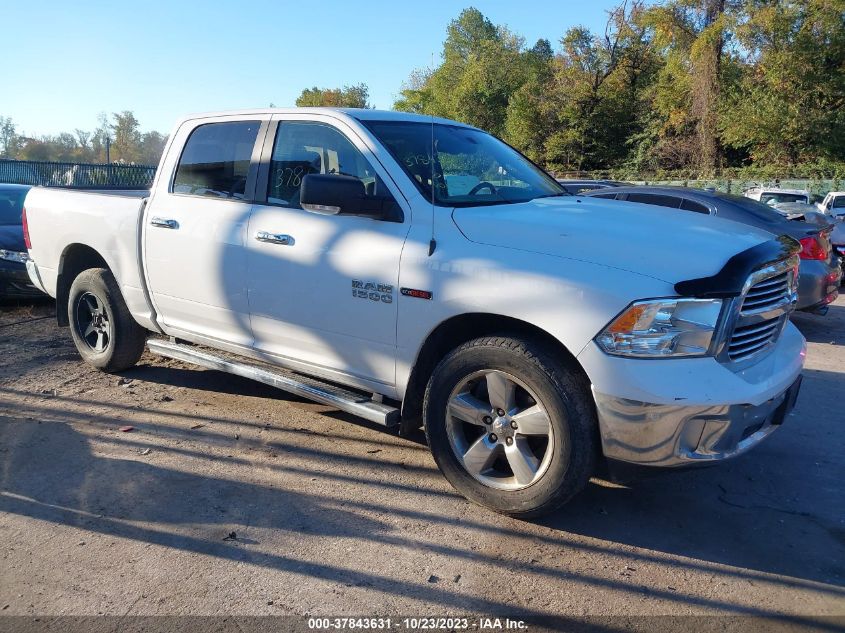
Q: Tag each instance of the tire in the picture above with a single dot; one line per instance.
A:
(470, 381)
(116, 341)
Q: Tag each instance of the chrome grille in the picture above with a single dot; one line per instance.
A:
(767, 293)
(763, 310)
(748, 339)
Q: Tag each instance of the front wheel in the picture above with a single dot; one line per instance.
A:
(103, 330)
(510, 427)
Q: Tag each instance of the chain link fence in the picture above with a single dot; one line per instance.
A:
(733, 184)
(82, 175)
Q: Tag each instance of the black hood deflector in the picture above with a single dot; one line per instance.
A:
(729, 281)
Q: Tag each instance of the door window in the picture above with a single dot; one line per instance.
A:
(215, 161)
(303, 148)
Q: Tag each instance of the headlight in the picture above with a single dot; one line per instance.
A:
(663, 328)
(14, 256)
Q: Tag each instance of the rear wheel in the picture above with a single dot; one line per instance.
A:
(103, 330)
(510, 427)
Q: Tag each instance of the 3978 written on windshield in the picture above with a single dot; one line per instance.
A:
(416, 624)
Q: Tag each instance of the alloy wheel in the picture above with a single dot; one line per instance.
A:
(92, 322)
(499, 430)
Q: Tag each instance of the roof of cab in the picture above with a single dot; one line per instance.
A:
(361, 114)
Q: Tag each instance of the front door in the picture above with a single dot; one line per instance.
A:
(323, 288)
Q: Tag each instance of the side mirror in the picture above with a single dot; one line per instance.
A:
(335, 194)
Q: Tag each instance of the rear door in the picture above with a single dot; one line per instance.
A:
(195, 229)
(323, 288)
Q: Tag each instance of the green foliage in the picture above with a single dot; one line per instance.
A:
(127, 143)
(696, 85)
(356, 96)
(789, 107)
(483, 65)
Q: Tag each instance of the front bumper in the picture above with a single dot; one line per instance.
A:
(839, 249)
(675, 412)
(667, 435)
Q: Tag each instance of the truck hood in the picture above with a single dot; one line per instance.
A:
(658, 242)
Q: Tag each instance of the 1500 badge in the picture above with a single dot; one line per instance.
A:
(372, 291)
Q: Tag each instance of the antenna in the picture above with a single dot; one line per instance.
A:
(433, 243)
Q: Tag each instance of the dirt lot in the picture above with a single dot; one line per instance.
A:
(335, 516)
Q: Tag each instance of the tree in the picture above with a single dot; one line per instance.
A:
(10, 142)
(356, 96)
(482, 66)
(789, 105)
(126, 142)
(690, 36)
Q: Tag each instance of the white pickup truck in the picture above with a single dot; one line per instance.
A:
(533, 334)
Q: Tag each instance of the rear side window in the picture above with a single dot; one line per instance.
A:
(696, 207)
(215, 161)
(651, 198)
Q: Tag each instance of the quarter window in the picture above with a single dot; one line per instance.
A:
(650, 198)
(307, 148)
(696, 207)
(215, 161)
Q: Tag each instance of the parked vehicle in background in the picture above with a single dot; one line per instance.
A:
(531, 333)
(774, 195)
(833, 204)
(14, 280)
(577, 187)
(820, 270)
(802, 212)
(837, 240)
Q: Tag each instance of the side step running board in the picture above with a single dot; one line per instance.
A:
(309, 388)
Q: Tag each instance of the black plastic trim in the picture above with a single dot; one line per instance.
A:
(729, 281)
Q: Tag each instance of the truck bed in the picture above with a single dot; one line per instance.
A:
(64, 221)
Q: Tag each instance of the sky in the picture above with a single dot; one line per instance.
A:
(66, 62)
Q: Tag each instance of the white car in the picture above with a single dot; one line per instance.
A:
(531, 333)
(776, 195)
(833, 204)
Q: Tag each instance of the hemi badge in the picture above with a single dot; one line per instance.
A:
(419, 294)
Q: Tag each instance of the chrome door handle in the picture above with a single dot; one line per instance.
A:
(164, 223)
(274, 238)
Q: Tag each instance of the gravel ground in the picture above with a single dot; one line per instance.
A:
(331, 515)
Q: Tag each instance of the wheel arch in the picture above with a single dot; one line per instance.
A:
(455, 331)
(75, 258)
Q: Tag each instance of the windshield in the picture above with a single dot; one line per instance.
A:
(469, 167)
(11, 206)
